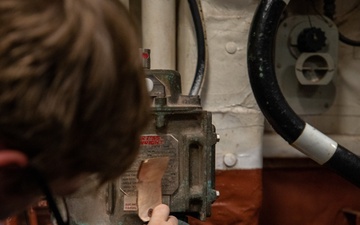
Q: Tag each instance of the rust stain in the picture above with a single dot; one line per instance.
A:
(240, 198)
(307, 196)
(12, 221)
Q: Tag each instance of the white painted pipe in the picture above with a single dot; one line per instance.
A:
(159, 30)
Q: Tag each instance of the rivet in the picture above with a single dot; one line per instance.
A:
(231, 47)
(230, 159)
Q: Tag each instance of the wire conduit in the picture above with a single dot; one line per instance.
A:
(272, 103)
(196, 12)
(329, 11)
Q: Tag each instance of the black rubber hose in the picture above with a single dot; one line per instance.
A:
(329, 11)
(201, 49)
(348, 41)
(262, 73)
(284, 120)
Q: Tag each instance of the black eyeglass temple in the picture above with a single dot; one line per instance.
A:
(50, 199)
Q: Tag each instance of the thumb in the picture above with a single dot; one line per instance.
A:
(160, 213)
(160, 216)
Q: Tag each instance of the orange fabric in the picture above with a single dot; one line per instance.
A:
(32, 217)
(308, 196)
(240, 198)
(11, 221)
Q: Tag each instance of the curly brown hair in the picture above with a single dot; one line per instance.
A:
(72, 90)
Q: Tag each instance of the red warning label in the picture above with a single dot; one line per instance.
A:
(151, 140)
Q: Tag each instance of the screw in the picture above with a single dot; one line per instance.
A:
(217, 194)
(217, 137)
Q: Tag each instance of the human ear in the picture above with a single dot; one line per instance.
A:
(10, 157)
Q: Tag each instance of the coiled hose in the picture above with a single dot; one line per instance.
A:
(272, 103)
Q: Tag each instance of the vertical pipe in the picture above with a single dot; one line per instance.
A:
(187, 48)
(126, 3)
(159, 30)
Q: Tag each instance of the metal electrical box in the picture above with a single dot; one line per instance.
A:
(180, 130)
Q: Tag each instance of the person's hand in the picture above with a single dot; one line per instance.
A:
(160, 216)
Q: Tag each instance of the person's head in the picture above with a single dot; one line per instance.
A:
(72, 94)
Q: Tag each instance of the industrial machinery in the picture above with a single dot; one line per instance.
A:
(306, 60)
(180, 130)
(276, 109)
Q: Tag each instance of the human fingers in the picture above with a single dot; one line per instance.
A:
(160, 216)
(172, 220)
(161, 212)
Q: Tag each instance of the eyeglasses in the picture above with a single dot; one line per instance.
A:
(50, 199)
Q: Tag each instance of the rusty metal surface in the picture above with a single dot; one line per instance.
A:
(179, 129)
(307, 196)
(239, 201)
(12, 221)
(36, 215)
(352, 216)
(152, 146)
(193, 173)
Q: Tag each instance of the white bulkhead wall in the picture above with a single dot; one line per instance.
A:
(169, 32)
(226, 92)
